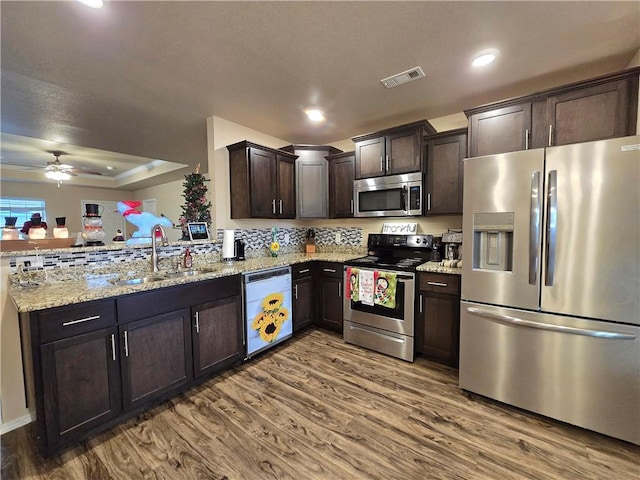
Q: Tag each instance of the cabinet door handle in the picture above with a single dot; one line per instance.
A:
(113, 347)
(198, 322)
(387, 165)
(330, 270)
(86, 319)
(339, 289)
(295, 291)
(428, 201)
(420, 303)
(352, 205)
(273, 206)
(304, 271)
(280, 207)
(381, 163)
(126, 344)
(437, 284)
(526, 139)
(550, 135)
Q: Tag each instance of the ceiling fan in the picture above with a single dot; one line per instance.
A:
(59, 171)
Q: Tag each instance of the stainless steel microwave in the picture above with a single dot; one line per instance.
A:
(390, 196)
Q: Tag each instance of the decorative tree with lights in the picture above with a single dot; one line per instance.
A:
(197, 207)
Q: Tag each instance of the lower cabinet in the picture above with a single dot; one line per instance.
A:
(217, 335)
(303, 296)
(156, 356)
(90, 368)
(82, 388)
(438, 319)
(330, 291)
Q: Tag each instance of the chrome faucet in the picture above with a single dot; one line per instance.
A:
(154, 251)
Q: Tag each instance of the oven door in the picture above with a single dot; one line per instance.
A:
(398, 319)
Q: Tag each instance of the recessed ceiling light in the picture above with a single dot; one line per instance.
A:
(315, 115)
(485, 57)
(92, 3)
(109, 167)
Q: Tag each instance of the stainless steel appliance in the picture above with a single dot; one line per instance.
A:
(390, 196)
(387, 330)
(452, 241)
(550, 315)
(267, 309)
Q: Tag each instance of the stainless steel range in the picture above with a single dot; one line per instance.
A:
(378, 326)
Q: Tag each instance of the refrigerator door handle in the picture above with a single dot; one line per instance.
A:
(534, 228)
(510, 320)
(552, 226)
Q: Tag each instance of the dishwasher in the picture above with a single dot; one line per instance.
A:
(267, 309)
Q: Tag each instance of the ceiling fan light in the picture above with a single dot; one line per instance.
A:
(57, 175)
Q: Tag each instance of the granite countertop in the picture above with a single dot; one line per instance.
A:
(56, 292)
(438, 267)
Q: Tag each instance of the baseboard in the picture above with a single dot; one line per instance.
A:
(17, 423)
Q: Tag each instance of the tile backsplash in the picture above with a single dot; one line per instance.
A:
(257, 243)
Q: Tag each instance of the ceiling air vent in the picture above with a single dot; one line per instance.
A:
(403, 77)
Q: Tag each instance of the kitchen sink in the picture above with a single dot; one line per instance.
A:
(190, 272)
(158, 277)
(137, 281)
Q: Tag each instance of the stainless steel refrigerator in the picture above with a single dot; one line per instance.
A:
(550, 311)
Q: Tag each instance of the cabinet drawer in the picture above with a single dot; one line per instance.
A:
(68, 321)
(330, 269)
(440, 282)
(300, 270)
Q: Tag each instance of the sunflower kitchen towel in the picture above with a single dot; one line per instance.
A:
(352, 284)
(385, 290)
(366, 286)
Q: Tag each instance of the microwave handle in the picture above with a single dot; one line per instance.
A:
(404, 199)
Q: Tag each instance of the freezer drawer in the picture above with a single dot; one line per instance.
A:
(582, 372)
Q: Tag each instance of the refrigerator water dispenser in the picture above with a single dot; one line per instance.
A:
(493, 241)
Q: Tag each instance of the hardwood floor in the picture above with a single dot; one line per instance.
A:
(317, 408)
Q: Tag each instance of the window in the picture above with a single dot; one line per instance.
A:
(22, 208)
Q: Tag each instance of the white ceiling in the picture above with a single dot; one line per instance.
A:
(140, 78)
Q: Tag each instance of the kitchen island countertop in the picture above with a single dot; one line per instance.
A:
(84, 287)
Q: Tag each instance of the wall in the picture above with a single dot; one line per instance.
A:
(14, 412)
(63, 201)
(222, 132)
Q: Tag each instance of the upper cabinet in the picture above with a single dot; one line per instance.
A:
(311, 179)
(341, 176)
(445, 154)
(262, 181)
(390, 152)
(597, 109)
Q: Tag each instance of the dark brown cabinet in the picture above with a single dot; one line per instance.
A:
(341, 177)
(599, 112)
(262, 182)
(390, 152)
(444, 180)
(501, 130)
(438, 319)
(330, 291)
(217, 335)
(597, 109)
(156, 356)
(83, 387)
(303, 296)
(75, 372)
(90, 368)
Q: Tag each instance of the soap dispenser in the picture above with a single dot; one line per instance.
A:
(187, 261)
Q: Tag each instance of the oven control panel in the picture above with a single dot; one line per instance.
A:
(382, 240)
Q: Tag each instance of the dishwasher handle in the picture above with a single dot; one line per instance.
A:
(265, 274)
